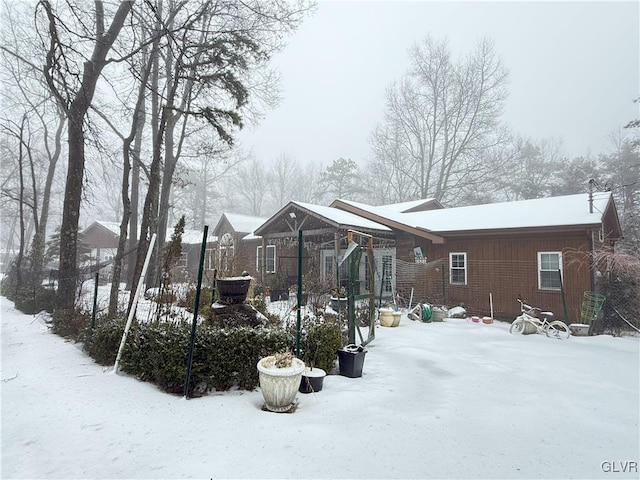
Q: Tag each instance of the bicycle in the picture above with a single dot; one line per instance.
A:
(533, 320)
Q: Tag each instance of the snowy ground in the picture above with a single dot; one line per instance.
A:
(441, 400)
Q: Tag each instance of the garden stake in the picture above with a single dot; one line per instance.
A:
(192, 341)
(134, 304)
(95, 303)
(298, 314)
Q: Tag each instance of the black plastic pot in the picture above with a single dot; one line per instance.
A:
(351, 360)
(312, 381)
(276, 295)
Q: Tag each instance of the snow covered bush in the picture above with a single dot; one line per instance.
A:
(319, 343)
(223, 358)
(102, 343)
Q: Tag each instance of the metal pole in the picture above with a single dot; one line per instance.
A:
(298, 313)
(192, 341)
(95, 302)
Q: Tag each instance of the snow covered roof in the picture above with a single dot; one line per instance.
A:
(422, 204)
(113, 227)
(193, 237)
(188, 237)
(313, 217)
(342, 217)
(541, 212)
(244, 223)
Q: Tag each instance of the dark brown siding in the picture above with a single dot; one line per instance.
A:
(97, 236)
(505, 267)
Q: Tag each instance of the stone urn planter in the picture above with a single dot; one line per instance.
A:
(389, 317)
(280, 376)
(233, 290)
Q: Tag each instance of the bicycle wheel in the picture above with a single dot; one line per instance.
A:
(557, 329)
(518, 326)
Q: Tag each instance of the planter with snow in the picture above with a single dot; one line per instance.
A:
(312, 380)
(279, 384)
(386, 317)
(338, 303)
(233, 290)
(579, 329)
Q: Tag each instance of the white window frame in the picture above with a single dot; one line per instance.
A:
(270, 248)
(327, 269)
(183, 261)
(209, 259)
(540, 270)
(452, 268)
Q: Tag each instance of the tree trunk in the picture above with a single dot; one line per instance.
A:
(136, 129)
(68, 275)
(40, 236)
(150, 209)
(21, 206)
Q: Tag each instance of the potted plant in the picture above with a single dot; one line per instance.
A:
(277, 288)
(312, 380)
(233, 290)
(293, 293)
(338, 299)
(279, 377)
(320, 341)
(387, 318)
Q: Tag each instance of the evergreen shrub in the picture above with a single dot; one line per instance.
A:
(320, 342)
(157, 353)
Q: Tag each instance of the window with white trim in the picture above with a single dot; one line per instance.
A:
(183, 261)
(387, 266)
(458, 268)
(549, 270)
(209, 259)
(271, 259)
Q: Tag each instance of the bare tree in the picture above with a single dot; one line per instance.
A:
(25, 90)
(283, 178)
(533, 170)
(309, 187)
(204, 184)
(252, 185)
(621, 173)
(74, 91)
(439, 119)
(208, 62)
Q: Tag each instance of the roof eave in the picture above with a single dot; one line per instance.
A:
(418, 231)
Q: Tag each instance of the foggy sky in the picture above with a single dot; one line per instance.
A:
(574, 71)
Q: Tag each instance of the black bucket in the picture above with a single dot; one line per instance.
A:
(351, 360)
(311, 383)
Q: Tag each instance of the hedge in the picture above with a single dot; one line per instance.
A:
(222, 357)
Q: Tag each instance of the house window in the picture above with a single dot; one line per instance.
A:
(330, 269)
(387, 263)
(271, 259)
(458, 268)
(209, 259)
(226, 252)
(549, 270)
(182, 263)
